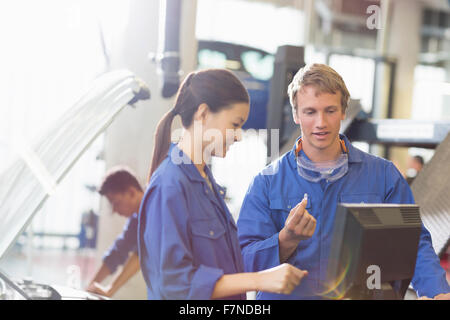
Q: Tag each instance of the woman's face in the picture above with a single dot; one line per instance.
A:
(223, 128)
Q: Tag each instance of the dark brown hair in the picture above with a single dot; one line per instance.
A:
(218, 88)
(419, 159)
(117, 180)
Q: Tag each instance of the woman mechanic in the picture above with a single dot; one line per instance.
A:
(188, 245)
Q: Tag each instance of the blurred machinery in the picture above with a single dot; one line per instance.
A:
(167, 58)
(431, 192)
(89, 230)
(288, 60)
(253, 66)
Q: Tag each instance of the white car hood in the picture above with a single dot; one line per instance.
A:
(37, 169)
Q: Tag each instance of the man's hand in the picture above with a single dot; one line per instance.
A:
(299, 225)
(442, 296)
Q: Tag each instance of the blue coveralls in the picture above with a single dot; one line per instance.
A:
(279, 188)
(187, 237)
(119, 251)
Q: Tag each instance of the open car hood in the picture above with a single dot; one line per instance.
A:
(37, 169)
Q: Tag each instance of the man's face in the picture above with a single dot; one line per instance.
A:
(414, 164)
(319, 116)
(122, 202)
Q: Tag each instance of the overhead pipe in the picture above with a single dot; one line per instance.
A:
(168, 56)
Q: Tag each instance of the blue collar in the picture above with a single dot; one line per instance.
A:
(189, 169)
(181, 160)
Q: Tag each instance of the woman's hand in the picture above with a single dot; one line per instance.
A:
(281, 279)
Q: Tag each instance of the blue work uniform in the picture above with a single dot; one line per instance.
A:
(187, 237)
(119, 251)
(279, 188)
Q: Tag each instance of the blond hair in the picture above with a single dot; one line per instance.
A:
(323, 78)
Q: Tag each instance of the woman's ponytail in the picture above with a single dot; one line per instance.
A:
(162, 141)
(163, 129)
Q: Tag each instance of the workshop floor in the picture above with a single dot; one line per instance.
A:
(51, 266)
(75, 268)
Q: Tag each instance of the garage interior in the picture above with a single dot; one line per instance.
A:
(394, 56)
